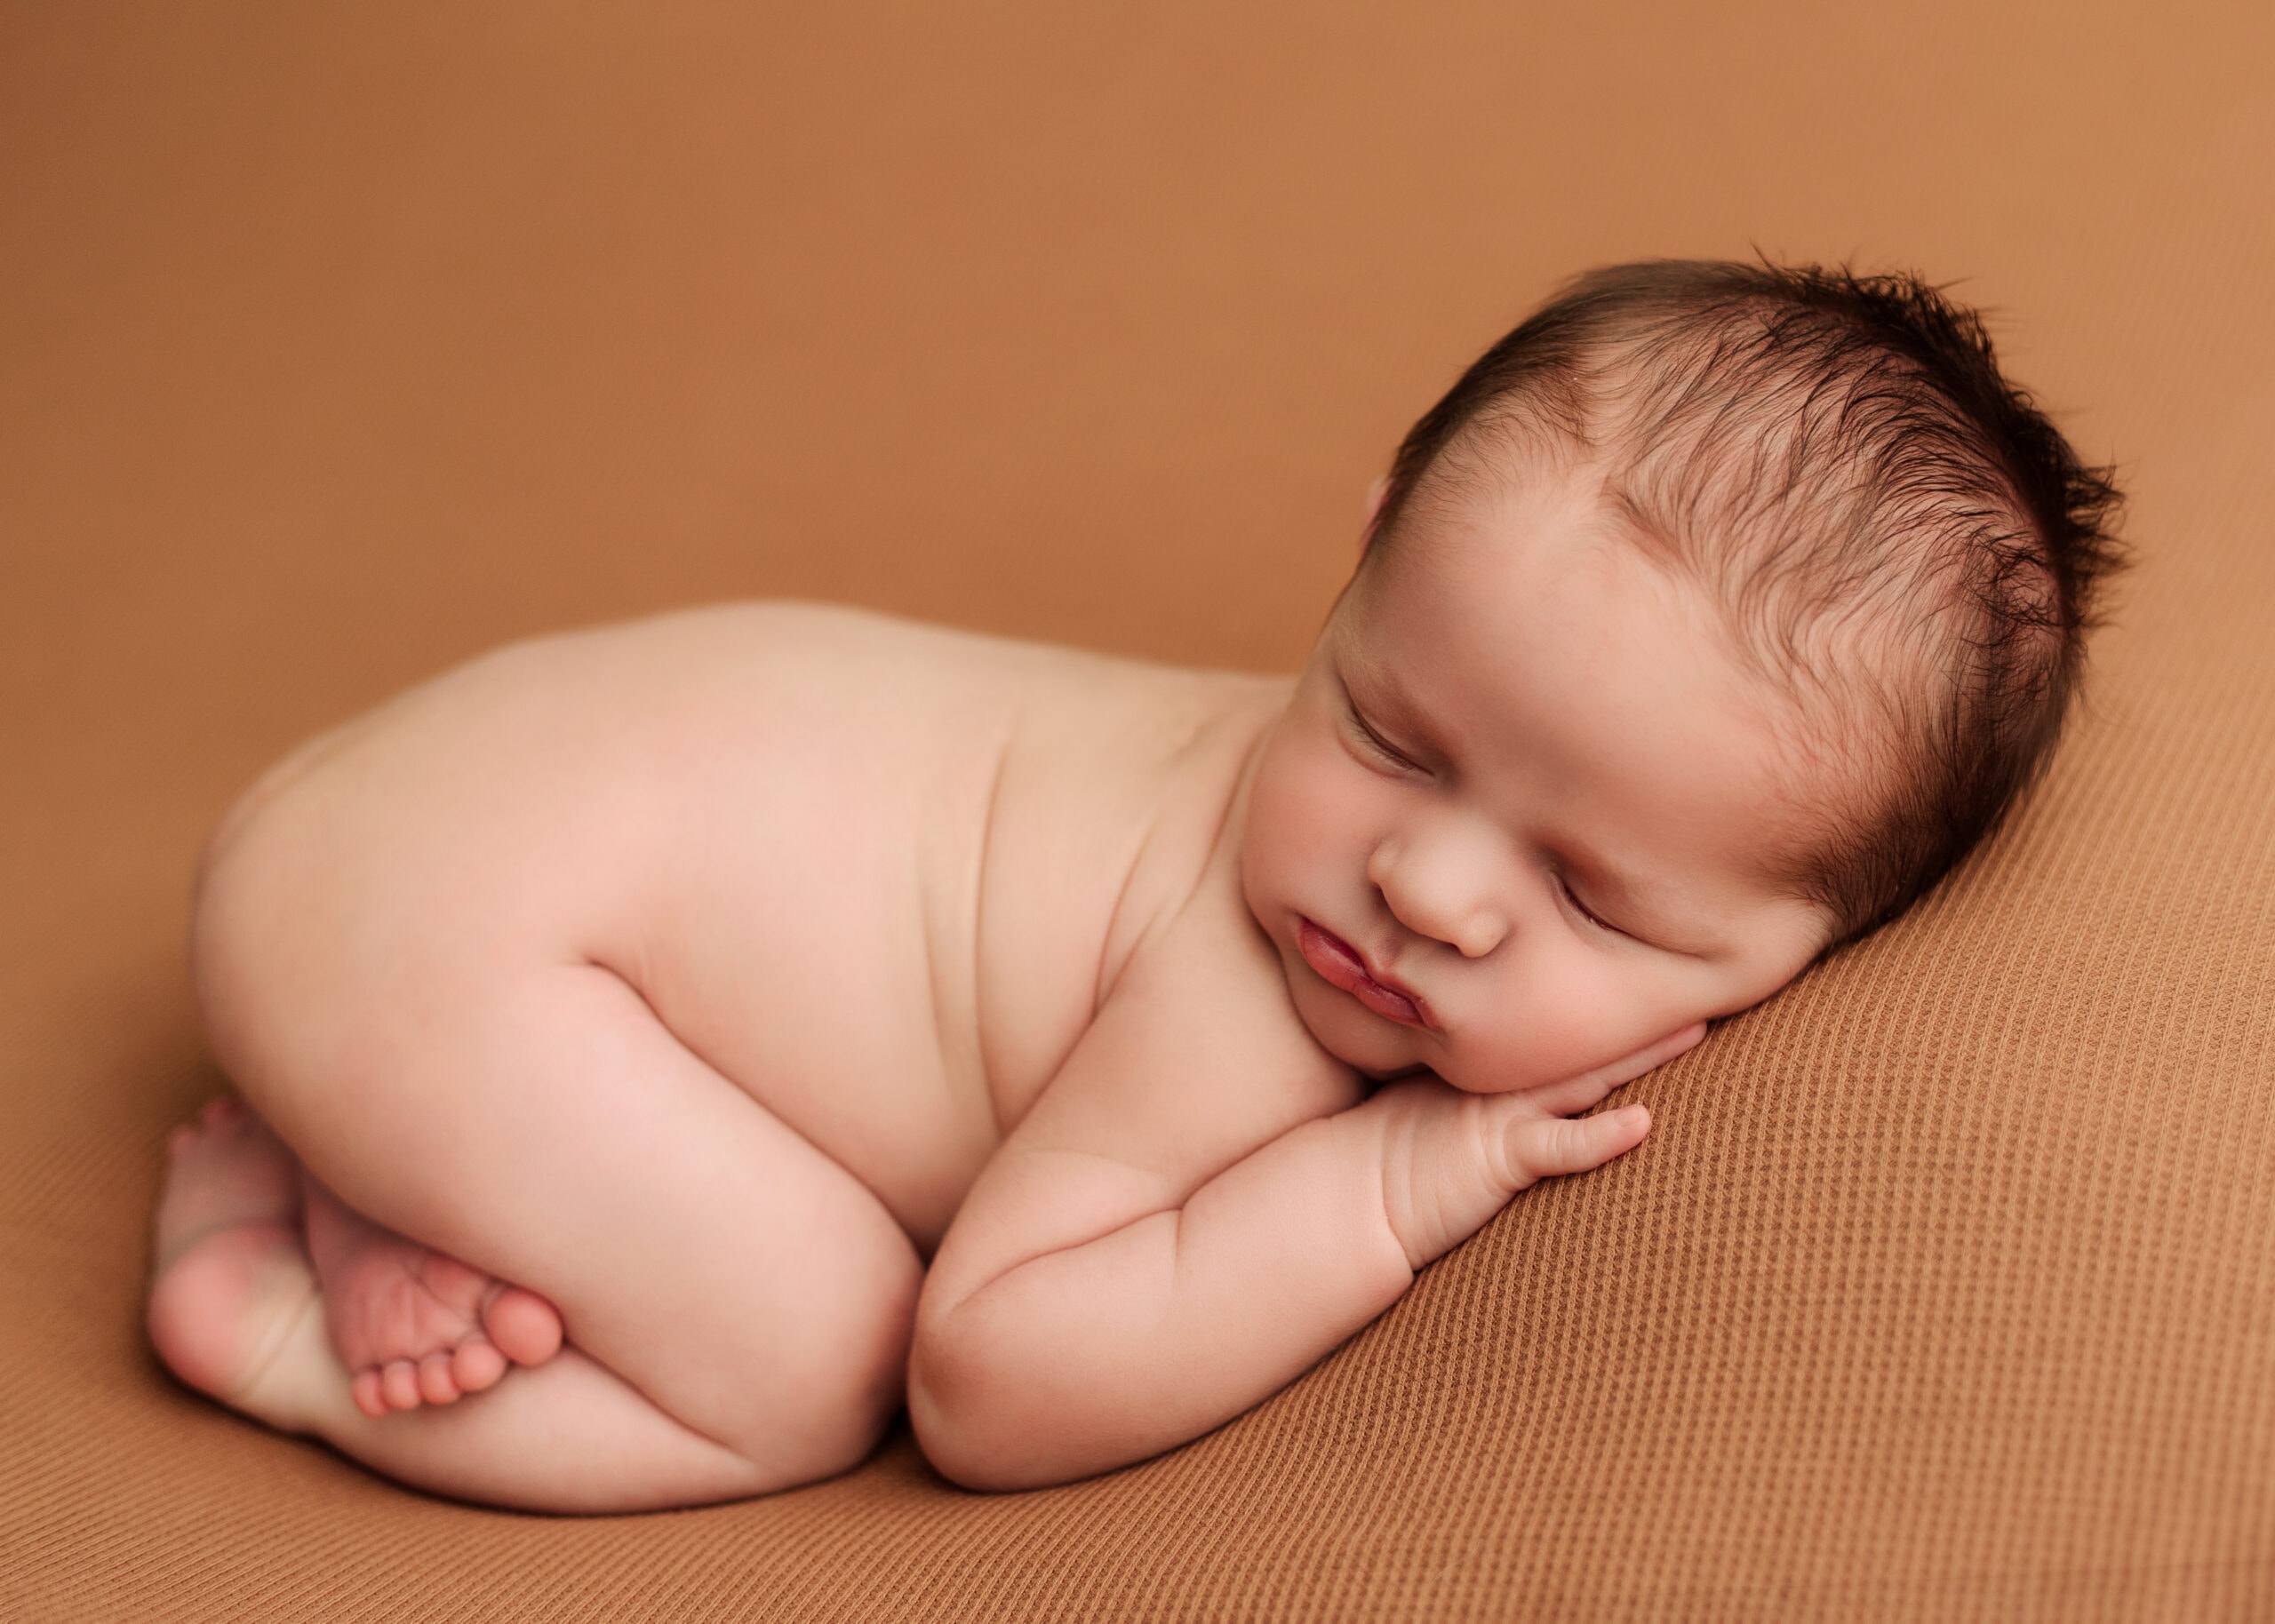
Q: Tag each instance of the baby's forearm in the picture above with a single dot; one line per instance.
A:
(1091, 1358)
(1104, 1351)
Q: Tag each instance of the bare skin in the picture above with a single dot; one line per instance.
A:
(801, 1013)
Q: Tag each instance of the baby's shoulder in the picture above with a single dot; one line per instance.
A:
(1196, 1057)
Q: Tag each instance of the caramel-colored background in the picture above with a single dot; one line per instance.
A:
(340, 341)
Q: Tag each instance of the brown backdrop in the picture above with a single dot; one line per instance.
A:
(337, 342)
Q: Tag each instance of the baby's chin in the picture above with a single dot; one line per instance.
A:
(1385, 1064)
(1371, 1062)
(1375, 1048)
(1377, 1075)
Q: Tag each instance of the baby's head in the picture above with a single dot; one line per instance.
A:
(1710, 617)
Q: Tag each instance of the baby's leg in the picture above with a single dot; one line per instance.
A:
(738, 1305)
(236, 1311)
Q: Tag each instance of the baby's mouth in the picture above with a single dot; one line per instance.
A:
(1341, 965)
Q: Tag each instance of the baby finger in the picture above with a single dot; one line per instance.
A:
(1541, 1148)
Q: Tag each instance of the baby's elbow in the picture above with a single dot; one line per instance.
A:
(981, 1422)
(950, 1413)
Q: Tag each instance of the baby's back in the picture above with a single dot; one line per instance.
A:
(876, 874)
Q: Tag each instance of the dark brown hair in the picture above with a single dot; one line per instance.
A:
(1885, 521)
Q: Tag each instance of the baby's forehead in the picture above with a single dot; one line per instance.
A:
(1839, 637)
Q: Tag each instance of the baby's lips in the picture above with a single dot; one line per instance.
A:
(1392, 1005)
(1338, 964)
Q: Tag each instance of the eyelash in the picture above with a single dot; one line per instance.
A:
(1376, 742)
(1581, 909)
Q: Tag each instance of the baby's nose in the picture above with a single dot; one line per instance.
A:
(1480, 933)
(1424, 891)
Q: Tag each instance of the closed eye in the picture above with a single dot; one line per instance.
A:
(1381, 746)
(1583, 910)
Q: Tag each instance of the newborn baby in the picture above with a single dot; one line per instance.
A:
(677, 1045)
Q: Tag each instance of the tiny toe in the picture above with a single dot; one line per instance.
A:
(435, 1385)
(477, 1366)
(526, 1326)
(399, 1381)
(368, 1397)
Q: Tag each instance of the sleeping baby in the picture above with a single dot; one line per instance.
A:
(666, 1051)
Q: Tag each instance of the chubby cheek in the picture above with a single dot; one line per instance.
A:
(1566, 1012)
(1303, 831)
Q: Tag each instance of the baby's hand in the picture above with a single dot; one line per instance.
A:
(1451, 1159)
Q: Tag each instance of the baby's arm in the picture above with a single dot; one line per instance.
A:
(1197, 1210)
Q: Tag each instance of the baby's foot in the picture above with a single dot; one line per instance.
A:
(233, 1280)
(415, 1326)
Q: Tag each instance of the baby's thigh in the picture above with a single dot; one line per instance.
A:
(529, 1113)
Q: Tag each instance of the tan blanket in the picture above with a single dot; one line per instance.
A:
(336, 343)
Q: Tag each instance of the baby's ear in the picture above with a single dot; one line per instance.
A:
(1376, 492)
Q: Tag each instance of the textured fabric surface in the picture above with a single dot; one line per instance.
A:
(339, 342)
